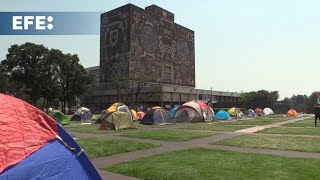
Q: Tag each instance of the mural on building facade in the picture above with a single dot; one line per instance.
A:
(135, 41)
(114, 44)
(163, 49)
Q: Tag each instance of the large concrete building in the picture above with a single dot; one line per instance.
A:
(135, 42)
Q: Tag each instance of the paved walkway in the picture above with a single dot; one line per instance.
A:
(277, 124)
(167, 146)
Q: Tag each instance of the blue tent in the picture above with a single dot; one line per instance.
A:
(46, 150)
(173, 112)
(221, 115)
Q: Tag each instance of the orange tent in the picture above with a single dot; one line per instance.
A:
(292, 112)
(258, 111)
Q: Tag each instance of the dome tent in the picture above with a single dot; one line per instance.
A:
(121, 107)
(82, 114)
(258, 111)
(55, 155)
(194, 111)
(251, 113)
(117, 116)
(222, 115)
(292, 112)
(268, 111)
(235, 112)
(156, 116)
(173, 112)
(59, 117)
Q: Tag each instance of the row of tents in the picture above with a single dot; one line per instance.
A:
(120, 116)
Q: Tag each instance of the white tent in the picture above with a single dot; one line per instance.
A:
(268, 111)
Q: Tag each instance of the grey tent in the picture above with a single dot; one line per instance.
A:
(82, 114)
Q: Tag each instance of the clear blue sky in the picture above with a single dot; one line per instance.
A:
(241, 45)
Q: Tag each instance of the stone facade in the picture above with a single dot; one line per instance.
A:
(137, 41)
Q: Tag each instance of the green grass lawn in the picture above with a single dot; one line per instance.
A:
(167, 135)
(86, 128)
(211, 126)
(305, 144)
(232, 125)
(93, 128)
(99, 147)
(217, 164)
(303, 123)
(292, 130)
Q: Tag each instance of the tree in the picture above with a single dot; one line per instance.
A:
(29, 67)
(131, 90)
(51, 89)
(72, 78)
(299, 102)
(3, 80)
(313, 98)
(261, 98)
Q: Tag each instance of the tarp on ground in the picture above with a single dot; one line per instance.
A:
(59, 117)
(35, 146)
(194, 111)
(268, 111)
(222, 115)
(292, 112)
(115, 120)
(157, 116)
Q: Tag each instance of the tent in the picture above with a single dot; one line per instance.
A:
(82, 114)
(157, 116)
(35, 146)
(235, 112)
(121, 107)
(59, 117)
(268, 111)
(173, 112)
(251, 113)
(258, 111)
(292, 112)
(140, 114)
(194, 111)
(115, 120)
(134, 115)
(221, 115)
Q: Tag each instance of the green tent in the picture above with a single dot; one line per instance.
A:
(115, 120)
(60, 117)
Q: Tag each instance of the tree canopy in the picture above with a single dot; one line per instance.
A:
(261, 98)
(32, 71)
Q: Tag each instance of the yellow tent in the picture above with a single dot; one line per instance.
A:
(115, 120)
(134, 114)
(113, 107)
(233, 112)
